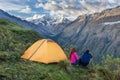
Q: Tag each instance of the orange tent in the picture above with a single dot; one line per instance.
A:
(45, 51)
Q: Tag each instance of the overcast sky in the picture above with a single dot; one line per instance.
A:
(33, 9)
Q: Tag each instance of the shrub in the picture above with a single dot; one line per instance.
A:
(4, 55)
(65, 65)
(110, 69)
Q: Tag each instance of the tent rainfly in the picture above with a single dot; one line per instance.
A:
(45, 51)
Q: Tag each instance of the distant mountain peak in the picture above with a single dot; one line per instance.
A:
(51, 23)
(55, 20)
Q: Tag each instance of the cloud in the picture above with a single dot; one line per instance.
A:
(49, 6)
(35, 16)
(9, 5)
(26, 10)
(76, 7)
(68, 8)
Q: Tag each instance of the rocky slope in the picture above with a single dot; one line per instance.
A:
(100, 32)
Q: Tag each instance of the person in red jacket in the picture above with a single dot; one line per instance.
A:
(73, 56)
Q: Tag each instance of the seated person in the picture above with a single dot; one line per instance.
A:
(73, 56)
(85, 58)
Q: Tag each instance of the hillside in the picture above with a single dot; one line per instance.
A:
(23, 23)
(14, 39)
(99, 32)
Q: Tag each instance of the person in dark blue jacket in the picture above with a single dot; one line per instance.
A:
(85, 58)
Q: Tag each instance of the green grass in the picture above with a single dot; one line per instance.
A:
(14, 40)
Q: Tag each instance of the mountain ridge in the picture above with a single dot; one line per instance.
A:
(52, 24)
(23, 23)
(99, 32)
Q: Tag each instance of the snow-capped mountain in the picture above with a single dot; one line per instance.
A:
(47, 26)
(23, 23)
(53, 24)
